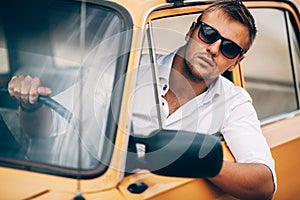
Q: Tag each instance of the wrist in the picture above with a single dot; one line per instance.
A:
(30, 108)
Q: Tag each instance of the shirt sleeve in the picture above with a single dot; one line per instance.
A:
(244, 137)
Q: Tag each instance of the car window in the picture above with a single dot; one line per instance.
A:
(171, 29)
(4, 69)
(269, 65)
(146, 110)
(148, 113)
(81, 58)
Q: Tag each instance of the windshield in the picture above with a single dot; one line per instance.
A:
(75, 51)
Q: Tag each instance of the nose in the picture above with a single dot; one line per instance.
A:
(214, 48)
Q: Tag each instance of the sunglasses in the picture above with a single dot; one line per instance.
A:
(210, 35)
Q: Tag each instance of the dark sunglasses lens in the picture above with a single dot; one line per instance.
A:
(208, 34)
(230, 49)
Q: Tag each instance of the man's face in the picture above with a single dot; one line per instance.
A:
(206, 61)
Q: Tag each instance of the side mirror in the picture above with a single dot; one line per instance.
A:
(176, 153)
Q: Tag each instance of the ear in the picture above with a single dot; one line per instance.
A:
(190, 32)
(231, 68)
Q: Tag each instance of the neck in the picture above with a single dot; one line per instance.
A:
(182, 85)
(181, 81)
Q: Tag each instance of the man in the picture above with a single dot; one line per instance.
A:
(225, 31)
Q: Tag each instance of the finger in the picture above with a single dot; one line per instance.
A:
(11, 85)
(45, 91)
(16, 87)
(41, 89)
(33, 93)
(25, 89)
(37, 88)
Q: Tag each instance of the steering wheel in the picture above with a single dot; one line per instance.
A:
(46, 100)
(11, 102)
(7, 140)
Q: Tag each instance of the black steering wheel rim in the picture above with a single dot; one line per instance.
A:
(49, 102)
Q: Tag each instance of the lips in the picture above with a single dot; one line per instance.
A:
(206, 61)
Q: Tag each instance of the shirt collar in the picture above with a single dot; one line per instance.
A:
(214, 89)
(165, 64)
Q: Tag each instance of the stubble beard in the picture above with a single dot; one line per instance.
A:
(195, 77)
(192, 72)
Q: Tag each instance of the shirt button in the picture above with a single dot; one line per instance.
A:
(165, 87)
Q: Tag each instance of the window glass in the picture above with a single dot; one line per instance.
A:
(148, 105)
(295, 48)
(267, 68)
(171, 29)
(43, 39)
(146, 116)
(3, 54)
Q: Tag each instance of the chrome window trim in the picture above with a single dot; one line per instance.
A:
(279, 117)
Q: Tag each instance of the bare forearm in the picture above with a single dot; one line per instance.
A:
(38, 123)
(245, 181)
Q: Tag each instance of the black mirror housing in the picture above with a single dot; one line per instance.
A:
(177, 154)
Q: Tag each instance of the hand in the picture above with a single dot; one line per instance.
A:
(27, 90)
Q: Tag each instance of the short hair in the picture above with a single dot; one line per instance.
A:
(236, 10)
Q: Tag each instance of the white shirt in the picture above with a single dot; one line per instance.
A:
(223, 108)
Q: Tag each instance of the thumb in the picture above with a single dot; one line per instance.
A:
(44, 91)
